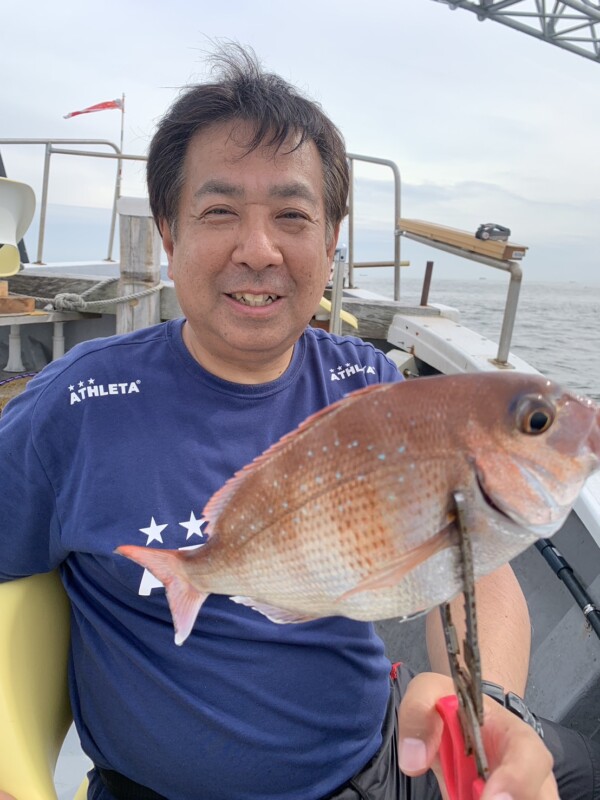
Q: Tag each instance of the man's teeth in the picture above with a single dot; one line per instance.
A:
(254, 299)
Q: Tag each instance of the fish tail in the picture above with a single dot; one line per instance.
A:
(167, 566)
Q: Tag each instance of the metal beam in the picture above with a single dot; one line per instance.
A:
(573, 25)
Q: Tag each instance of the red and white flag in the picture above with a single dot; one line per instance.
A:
(98, 107)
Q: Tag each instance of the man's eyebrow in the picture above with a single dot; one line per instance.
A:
(292, 190)
(219, 187)
(286, 191)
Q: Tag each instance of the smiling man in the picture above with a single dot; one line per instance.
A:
(248, 183)
(257, 223)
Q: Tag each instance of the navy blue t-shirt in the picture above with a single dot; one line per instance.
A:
(123, 441)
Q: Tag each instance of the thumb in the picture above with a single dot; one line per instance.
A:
(420, 727)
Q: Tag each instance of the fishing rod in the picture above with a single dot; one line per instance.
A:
(563, 570)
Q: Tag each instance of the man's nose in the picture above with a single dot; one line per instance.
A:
(257, 247)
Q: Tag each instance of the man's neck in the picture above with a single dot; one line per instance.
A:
(247, 368)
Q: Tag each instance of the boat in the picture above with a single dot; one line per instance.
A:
(83, 300)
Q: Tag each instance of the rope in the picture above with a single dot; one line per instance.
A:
(70, 301)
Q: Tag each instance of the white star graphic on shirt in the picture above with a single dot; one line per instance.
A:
(153, 532)
(193, 526)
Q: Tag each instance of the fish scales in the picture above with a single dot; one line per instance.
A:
(333, 468)
(352, 513)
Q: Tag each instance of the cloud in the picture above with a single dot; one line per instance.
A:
(486, 124)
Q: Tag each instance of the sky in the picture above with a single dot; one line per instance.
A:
(486, 124)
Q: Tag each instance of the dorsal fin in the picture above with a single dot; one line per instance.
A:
(222, 496)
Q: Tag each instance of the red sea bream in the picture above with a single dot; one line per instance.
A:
(352, 513)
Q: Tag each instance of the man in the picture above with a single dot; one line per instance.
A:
(248, 184)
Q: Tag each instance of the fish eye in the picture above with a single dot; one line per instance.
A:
(535, 415)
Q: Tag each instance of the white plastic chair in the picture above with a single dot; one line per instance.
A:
(17, 204)
(35, 713)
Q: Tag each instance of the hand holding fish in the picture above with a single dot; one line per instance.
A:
(462, 760)
(520, 764)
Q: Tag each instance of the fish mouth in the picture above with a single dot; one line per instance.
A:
(252, 299)
(541, 530)
(488, 500)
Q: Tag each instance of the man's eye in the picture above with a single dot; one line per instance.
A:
(216, 212)
(292, 215)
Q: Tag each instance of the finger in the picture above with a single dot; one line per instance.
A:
(524, 769)
(548, 791)
(419, 725)
(521, 763)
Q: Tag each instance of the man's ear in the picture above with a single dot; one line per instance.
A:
(168, 244)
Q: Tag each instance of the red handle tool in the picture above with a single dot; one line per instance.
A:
(460, 770)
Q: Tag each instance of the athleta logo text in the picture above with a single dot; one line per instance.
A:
(346, 370)
(87, 389)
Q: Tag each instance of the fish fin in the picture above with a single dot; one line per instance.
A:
(414, 615)
(184, 600)
(222, 497)
(279, 615)
(394, 572)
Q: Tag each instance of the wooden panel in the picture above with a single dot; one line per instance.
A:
(169, 305)
(139, 269)
(463, 239)
(16, 305)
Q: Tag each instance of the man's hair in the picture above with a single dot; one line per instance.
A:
(278, 113)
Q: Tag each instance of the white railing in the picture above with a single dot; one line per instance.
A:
(50, 150)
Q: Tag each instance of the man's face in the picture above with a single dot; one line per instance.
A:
(251, 256)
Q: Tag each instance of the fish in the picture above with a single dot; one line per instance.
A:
(353, 514)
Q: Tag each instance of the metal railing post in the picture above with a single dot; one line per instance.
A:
(510, 313)
(397, 216)
(351, 223)
(384, 162)
(337, 288)
(44, 204)
(113, 219)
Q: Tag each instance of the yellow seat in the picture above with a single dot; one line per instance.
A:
(17, 204)
(35, 713)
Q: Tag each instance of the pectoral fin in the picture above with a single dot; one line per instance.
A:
(394, 572)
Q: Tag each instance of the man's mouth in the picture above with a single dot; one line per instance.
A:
(254, 299)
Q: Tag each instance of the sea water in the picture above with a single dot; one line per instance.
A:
(557, 329)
